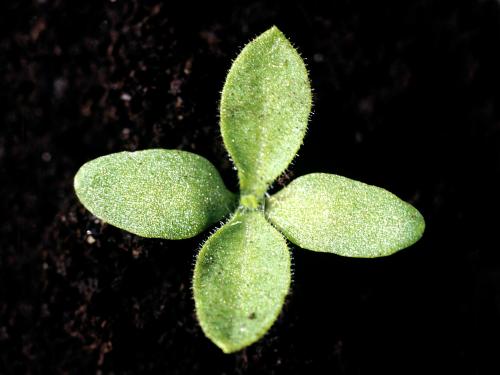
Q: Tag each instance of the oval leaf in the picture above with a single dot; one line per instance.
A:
(329, 213)
(154, 193)
(241, 278)
(264, 110)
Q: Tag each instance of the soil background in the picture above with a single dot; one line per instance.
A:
(406, 96)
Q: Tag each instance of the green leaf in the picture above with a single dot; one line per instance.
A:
(241, 278)
(154, 193)
(264, 110)
(329, 213)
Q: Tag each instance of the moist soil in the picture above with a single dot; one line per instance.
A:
(406, 96)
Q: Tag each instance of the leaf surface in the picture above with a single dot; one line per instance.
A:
(330, 213)
(264, 110)
(154, 193)
(241, 278)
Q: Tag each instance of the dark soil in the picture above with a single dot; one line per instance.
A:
(407, 96)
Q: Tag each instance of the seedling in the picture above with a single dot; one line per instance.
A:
(242, 272)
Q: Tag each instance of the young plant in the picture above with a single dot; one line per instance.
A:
(242, 271)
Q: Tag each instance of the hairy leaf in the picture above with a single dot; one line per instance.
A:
(154, 193)
(241, 278)
(264, 110)
(329, 213)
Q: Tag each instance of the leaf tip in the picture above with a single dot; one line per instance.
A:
(419, 225)
(273, 33)
(228, 348)
(77, 181)
(80, 181)
(274, 30)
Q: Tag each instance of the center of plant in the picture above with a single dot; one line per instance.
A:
(250, 201)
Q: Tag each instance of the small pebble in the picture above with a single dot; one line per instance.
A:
(46, 157)
(125, 97)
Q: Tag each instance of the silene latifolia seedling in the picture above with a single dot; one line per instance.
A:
(242, 272)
